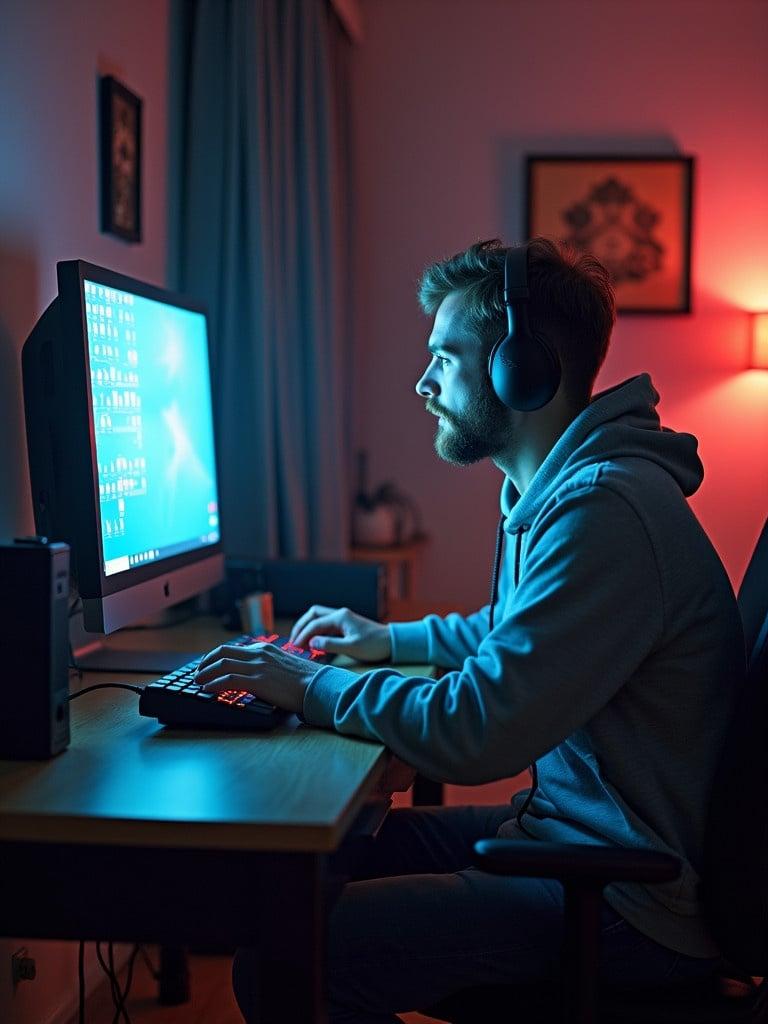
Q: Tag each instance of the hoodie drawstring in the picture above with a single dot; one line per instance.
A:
(495, 573)
(494, 593)
(518, 547)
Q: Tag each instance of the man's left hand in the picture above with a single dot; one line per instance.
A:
(266, 671)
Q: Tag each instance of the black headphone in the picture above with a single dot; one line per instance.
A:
(524, 369)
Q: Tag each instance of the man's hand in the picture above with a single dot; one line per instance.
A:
(264, 670)
(341, 631)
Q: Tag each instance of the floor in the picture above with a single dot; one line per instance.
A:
(212, 1001)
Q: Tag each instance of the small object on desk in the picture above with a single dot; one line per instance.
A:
(257, 613)
(176, 699)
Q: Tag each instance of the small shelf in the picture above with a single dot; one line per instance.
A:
(399, 559)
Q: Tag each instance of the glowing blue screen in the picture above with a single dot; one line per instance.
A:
(153, 425)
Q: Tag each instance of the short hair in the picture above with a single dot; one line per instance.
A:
(572, 303)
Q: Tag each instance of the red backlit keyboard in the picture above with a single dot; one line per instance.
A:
(178, 701)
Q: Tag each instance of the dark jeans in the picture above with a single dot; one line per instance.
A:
(419, 922)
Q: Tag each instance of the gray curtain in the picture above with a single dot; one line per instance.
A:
(259, 231)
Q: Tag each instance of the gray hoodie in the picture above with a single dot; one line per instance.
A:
(614, 662)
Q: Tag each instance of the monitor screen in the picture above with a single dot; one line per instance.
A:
(121, 441)
(153, 427)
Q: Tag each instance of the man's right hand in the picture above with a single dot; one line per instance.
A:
(340, 631)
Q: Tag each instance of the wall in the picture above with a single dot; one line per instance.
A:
(50, 56)
(449, 97)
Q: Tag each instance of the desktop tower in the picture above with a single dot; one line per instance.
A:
(34, 640)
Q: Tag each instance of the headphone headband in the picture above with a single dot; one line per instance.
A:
(516, 274)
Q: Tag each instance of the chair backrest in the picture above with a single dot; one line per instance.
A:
(735, 878)
(753, 599)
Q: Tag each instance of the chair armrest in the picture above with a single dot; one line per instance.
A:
(574, 862)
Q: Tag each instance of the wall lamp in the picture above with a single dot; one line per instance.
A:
(758, 355)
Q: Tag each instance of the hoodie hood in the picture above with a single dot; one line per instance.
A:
(618, 423)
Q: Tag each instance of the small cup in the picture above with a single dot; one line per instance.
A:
(257, 612)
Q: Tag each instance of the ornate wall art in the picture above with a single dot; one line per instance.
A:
(633, 213)
(120, 117)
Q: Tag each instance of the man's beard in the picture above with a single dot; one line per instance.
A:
(481, 432)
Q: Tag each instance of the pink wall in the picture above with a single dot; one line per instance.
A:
(50, 55)
(449, 97)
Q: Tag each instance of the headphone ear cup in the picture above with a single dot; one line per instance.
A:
(524, 371)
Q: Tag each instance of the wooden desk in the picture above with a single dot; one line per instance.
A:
(142, 833)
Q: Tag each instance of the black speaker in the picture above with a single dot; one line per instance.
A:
(34, 640)
(295, 585)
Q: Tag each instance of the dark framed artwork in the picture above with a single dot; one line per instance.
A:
(633, 213)
(120, 118)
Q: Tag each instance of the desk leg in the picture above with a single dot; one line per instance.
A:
(427, 793)
(173, 980)
(293, 943)
(393, 581)
(405, 579)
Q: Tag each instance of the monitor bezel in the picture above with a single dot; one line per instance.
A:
(86, 523)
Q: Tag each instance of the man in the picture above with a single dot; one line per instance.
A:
(604, 661)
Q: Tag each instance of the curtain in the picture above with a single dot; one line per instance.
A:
(259, 231)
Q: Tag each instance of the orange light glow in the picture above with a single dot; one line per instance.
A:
(759, 357)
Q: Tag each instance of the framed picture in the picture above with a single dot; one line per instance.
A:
(633, 213)
(120, 117)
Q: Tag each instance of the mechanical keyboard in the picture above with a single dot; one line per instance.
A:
(176, 699)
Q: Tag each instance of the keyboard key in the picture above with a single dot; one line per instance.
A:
(209, 709)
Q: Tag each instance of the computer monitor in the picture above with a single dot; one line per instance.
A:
(121, 443)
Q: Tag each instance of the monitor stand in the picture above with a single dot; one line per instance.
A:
(92, 654)
(110, 659)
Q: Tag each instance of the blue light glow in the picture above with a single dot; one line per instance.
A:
(153, 425)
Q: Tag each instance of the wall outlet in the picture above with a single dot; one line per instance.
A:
(22, 966)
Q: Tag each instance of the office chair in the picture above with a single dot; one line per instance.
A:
(734, 885)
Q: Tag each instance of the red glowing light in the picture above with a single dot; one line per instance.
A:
(231, 696)
(759, 354)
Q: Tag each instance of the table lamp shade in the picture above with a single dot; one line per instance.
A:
(759, 349)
